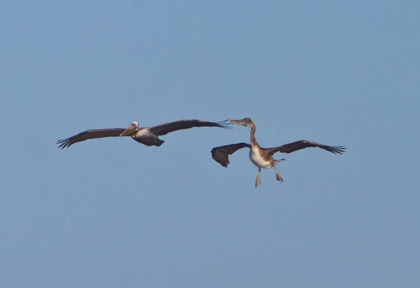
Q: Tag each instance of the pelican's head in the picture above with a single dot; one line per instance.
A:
(134, 126)
(247, 122)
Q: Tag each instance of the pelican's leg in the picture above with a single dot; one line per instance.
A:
(278, 177)
(258, 180)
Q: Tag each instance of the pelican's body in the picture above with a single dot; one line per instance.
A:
(257, 159)
(145, 135)
(263, 157)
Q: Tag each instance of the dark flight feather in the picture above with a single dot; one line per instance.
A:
(169, 127)
(221, 153)
(89, 134)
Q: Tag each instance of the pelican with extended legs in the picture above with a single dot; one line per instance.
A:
(263, 157)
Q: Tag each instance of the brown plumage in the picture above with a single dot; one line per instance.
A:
(263, 157)
(143, 135)
(221, 153)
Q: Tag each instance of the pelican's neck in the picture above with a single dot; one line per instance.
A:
(252, 135)
(135, 132)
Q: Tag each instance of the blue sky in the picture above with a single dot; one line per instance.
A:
(114, 213)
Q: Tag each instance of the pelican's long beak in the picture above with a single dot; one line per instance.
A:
(242, 122)
(234, 121)
(130, 130)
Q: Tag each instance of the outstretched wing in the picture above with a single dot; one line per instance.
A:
(302, 144)
(89, 134)
(166, 128)
(221, 153)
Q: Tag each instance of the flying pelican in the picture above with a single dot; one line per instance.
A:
(263, 157)
(143, 135)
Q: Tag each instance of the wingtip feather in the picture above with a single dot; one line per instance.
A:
(225, 124)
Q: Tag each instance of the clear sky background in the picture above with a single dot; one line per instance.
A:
(114, 213)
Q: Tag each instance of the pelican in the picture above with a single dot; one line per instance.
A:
(145, 135)
(263, 157)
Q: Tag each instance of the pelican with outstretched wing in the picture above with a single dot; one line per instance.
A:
(263, 157)
(145, 135)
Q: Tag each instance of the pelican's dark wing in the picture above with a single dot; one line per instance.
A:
(221, 153)
(166, 128)
(302, 144)
(89, 134)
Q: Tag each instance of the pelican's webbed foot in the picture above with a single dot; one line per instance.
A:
(278, 177)
(258, 180)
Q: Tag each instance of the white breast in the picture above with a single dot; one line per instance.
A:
(142, 132)
(256, 158)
